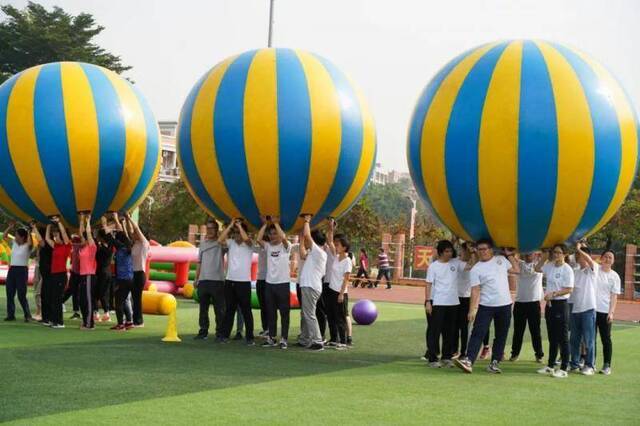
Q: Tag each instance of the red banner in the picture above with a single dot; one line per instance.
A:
(422, 257)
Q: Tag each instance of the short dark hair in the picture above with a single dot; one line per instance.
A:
(562, 247)
(586, 250)
(608, 251)
(443, 245)
(486, 241)
(22, 233)
(344, 242)
(318, 237)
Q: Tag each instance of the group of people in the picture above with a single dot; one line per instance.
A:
(91, 282)
(578, 300)
(324, 268)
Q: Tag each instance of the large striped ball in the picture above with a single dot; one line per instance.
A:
(74, 137)
(529, 143)
(276, 132)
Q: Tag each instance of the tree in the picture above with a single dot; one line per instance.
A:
(360, 224)
(34, 36)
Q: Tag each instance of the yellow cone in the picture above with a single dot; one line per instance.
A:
(172, 329)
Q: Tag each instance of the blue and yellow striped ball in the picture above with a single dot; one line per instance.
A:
(74, 137)
(276, 132)
(529, 143)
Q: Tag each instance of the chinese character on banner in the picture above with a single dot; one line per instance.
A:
(422, 257)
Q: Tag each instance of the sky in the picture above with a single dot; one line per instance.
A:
(390, 49)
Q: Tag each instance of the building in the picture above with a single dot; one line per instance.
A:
(381, 176)
(169, 171)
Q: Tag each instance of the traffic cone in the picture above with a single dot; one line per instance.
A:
(172, 329)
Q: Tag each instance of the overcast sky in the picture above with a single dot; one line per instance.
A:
(390, 48)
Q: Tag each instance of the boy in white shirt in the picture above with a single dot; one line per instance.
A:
(606, 300)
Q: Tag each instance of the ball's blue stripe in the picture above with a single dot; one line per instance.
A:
(608, 144)
(294, 134)
(112, 137)
(537, 150)
(462, 140)
(51, 135)
(8, 177)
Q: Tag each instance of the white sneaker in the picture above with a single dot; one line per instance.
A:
(447, 363)
(435, 364)
(560, 374)
(548, 371)
(587, 371)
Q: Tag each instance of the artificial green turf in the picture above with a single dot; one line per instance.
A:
(68, 376)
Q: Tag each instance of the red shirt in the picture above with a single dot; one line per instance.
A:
(87, 259)
(364, 262)
(59, 258)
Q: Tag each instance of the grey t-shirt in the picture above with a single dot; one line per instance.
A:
(211, 255)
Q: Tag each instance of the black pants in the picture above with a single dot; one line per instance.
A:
(523, 313)
(122, 290)
(260, 291)
(103, 291)
(55, 291)
(45, 298)
(17, 283)
(461, 333)
(386, 273)
(604, 328)
(87, 289)
(237, 295)
(211, 293)
(442, 321)
(337, 315)
(501, 317)
(139, 278)
(73, 291)
(321, 312)
(362, 273)
(557, 317)
(277, 296)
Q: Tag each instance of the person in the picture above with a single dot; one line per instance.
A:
(237, 288)
(441, 304)
(104, 277)
(608, 289)
(261, 288)
(526, 309)
(461, 334)
(384, 271)
(559, 277)
(18, 273)
(347, 314)
(44, 271)
(583, 316)
(322, 307)
(314, 261)
(60, 244)
(87, 272)
(139, 255)
(124, 272)
(209, 282)
(363, 269)
(339, 276)
(278, 280)
(38, 279)
(490, 301)
(72, 289)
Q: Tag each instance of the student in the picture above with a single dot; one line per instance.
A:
(44, 271)
(38, 279)
(363, 269)
(461, 335)
(384, 271)
(261, 287)
(608, 289)
(314, 260)
(72, 290)
(339, 284)
(526, 308)
(87, 270)
(441, 304)
(490, 301)
(278, 280)
(237, 287)
(18, 273)
(559, 278)
(139, 255)
(104, 277)
(124, 271)
(60, 244)
(583, 316)
(209, 282)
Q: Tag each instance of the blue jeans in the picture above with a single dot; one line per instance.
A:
(583, 328)
(501, 317)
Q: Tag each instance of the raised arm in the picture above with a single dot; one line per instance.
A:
(88, 230)
(307, 241)
(82, 228)
(261, 231)
(63, 231)
(135, 230)
(515, 263)
(5, 235)
(243, 234)
(543, 259)
(330, 232)
(34, 230)
(281, 234)
(585, 255)
(47, 237)
(222, 239)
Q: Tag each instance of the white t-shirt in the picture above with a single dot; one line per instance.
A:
(20, 254)
(262, 262)
(443, 277)
(608, 283)
(239, 259)
(278, 263)
(313, 269)
(558, 278)
(584, 291)
(464, 280)
(529, 288)
(336, 276)
(139, 254)
(493, 278)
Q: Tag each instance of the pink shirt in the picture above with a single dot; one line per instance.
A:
(87, 259)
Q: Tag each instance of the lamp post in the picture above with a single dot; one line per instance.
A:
(271, 6)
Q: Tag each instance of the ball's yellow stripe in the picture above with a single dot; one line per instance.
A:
(203, 144)
(261, 131)
(498, 148)
(434, 132)
(154, 176)
(82, 134)
(23, 147)
(576, 149)
(11, 208)
(136, 137)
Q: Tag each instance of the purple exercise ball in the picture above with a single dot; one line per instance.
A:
(364, 312)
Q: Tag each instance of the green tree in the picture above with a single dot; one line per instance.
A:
(35, 35)
(360, 224)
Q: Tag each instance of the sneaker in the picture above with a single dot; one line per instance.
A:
(424, 358)
(587, 371)
(456, 355)
(250, 342)
(513, 358)
(238, 336)
(493, 368)
(263, 333)
(200, 336)
(119, 327)
(83, 328)
(606, 370)
(558, 362)
(106, 317)
(464, 364)
(435, 364)
(447, 363)
(46, 323)
(331, 344)
(128, 325)
(283, 344)
(485, 353)
(269, 343)
(57, 325)
(75, 316)
(10, 319)
(96, 317)
(548, 371)
(539, 360)
(575, 369)
(316, 347)
(349, 341)
(560, 374)
(138, 325)
(341, 347)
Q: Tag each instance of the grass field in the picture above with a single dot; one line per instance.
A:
(102, 377)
